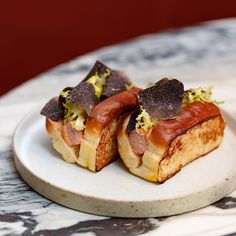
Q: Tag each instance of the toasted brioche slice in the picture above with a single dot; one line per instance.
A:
(98, 147)
(172, 144)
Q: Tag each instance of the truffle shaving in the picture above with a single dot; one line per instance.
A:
(62, 97)
(163, 100)
(52, 110)
(117, 82)
(83, 95)
(98, 68)
(132, 121)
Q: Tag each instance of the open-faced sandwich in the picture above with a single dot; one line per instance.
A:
(171, 128)
(83, 121)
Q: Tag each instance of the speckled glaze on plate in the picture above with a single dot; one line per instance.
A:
(115, 192)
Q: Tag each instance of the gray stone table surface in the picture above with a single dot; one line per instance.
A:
(200, 55)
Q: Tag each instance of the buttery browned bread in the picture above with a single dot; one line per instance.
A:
(161, 152)
(98, 146)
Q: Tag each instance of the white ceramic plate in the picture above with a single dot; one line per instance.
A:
(115, 192)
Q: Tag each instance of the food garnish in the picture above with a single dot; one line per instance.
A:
(75, 104)
(164, 100)
(116, 83)
(161, 101)
(52, 110)
(107, 82)
(199, 95)
(143, 121)
(83, 95)
(132, 121)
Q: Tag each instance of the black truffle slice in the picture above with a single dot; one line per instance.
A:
(98, 68)
(132, 121)
(62, 99)
(52, 110)
(83, 95)
(163, 100)
(117, 82)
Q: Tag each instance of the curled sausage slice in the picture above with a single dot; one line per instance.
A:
(138, 142)
(70, 135)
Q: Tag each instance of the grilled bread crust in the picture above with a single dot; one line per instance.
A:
(173, 144)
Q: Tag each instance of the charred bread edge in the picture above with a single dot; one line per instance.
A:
(206, 135)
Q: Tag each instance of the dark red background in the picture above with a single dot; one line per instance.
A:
(37, 35)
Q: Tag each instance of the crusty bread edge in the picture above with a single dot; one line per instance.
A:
(205, 136)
